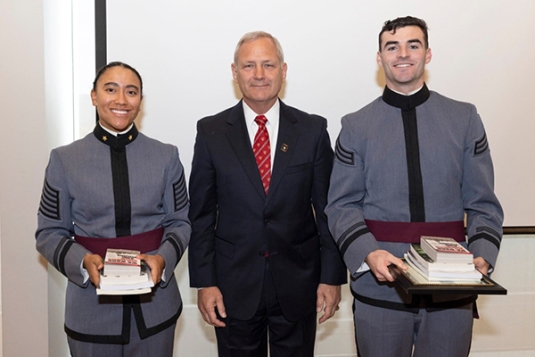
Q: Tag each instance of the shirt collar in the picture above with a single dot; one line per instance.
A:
(115, 133)
(272, 114)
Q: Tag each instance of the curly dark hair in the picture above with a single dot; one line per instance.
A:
(393, 25)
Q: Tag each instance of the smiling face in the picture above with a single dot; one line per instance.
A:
(259, 73)
(403, 57)
(117, 97)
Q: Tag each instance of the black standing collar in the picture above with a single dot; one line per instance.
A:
(406, 102)
(118, 142)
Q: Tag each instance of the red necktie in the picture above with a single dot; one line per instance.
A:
(262, 151)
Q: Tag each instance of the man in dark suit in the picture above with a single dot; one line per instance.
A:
(261, 253)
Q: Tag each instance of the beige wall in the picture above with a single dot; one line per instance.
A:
(23, 155)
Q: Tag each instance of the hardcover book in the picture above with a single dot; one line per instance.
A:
(122, 262)
(127, 282)
(124, 274)
(442, 250)
(439, 275)
(420, 256)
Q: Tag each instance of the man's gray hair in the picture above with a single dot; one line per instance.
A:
(255, 35)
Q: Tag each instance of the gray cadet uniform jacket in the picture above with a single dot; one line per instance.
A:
(83, 195)
(376, 158)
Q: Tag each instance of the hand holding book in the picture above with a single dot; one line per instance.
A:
(481, 265)
(379, 261)
(156, 263)
(128, 272)
(93, 263)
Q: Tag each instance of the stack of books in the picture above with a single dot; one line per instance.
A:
(442, 259)
(124, 274)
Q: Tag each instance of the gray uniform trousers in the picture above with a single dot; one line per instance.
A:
(383, 332)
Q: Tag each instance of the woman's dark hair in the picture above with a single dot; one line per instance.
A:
(115, 64)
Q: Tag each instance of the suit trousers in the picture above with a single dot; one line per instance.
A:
(382, 332)
(250, 338)
(160, 344)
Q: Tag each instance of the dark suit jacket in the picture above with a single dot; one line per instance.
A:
(234, 223)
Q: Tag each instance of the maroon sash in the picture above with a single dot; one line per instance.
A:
(144, 242)
(410, 232)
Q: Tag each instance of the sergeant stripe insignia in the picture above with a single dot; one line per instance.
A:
(181, 195)
(482, 145)
(343, 155)
(49, 206)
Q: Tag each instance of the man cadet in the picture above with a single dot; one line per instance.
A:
(410, 163)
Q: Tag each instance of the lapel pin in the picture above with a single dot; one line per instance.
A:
(284, 147)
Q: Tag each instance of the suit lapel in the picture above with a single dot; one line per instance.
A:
(238, 138)
(286, 145)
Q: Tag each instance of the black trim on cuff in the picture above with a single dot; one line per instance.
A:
(352, 238)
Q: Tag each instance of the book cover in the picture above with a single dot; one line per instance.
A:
(122, 262)
(442, 249)
(122, 257)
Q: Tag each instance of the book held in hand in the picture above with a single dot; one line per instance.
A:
(442, 275)
(417, 254)
(445, 250)
(124, 274)
(458, 269)
(122, 262)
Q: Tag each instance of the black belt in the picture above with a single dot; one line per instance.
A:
(419, 302)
